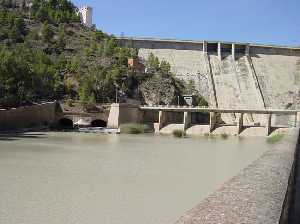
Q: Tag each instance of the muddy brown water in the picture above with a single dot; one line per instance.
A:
(83, 178)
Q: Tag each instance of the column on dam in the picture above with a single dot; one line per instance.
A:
(247, 51)
(187, 120)
(212, 121)
(233, 51)
(220, 51)
(268, 124)
(240, 123)
(298, 119)
(204, 47)
(162, 119)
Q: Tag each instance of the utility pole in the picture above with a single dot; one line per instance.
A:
(116, 93)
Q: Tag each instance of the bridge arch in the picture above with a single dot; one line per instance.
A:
(65, 123)
(98, 123)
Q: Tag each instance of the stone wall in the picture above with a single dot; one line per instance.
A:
(30, 116)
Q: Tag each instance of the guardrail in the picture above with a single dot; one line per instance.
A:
(220, 110)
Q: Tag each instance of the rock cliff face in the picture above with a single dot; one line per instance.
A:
(158, 90)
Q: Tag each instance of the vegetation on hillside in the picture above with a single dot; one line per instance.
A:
(46, 54)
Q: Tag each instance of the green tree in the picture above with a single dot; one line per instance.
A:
(47, 32)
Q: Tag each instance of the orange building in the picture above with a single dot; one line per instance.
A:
(136, 64)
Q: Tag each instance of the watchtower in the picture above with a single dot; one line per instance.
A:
(86, 15)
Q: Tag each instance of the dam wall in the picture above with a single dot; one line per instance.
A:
(278, 72)
(46, 114)
(232, 75)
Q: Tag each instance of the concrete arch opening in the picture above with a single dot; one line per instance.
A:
(98, 123)
(65, 123)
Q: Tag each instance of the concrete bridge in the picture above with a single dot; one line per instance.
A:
(69, 119)
(214, 121)
(203, 120)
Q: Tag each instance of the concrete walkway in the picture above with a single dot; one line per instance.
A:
(256, 195)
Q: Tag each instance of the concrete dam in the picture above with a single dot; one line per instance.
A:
(232, 75)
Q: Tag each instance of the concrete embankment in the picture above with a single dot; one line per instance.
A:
(256, 195)
(30, 117)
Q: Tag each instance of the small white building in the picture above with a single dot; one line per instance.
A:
(86, 15)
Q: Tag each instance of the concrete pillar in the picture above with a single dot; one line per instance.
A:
(122, 114)
(212, 121)
(268, 124)
(298, 119)
(220, 51)
(204, 47)
(233, 51)
(187, 120)
(162, 119)
(240, 122)
(247, 50)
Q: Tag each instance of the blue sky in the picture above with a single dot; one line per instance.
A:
(254, 21)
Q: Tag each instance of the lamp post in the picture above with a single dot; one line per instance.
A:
(116, 88)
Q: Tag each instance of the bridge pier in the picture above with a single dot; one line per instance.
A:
(162, 119)
(240, 123)
(212, 121)
(123, 113)
(187, 120)
(298, 119)
(268, 124)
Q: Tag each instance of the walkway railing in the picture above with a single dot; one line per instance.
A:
(220, 110)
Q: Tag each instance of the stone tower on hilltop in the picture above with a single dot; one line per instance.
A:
(86, 15)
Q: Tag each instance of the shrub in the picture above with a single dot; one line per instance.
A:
(224, 136)
(134, 128)
(70, 102)
(178, 133)
(275, 138)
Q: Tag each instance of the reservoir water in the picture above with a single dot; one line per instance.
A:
(71, 178)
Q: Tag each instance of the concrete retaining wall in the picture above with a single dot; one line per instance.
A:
(256, 195)
(29, 117)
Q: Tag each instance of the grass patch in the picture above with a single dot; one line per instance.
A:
(275, 138)
(134, 128)
(179, 133)
(224, 136)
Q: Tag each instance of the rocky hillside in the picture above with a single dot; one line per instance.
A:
(46, 54)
